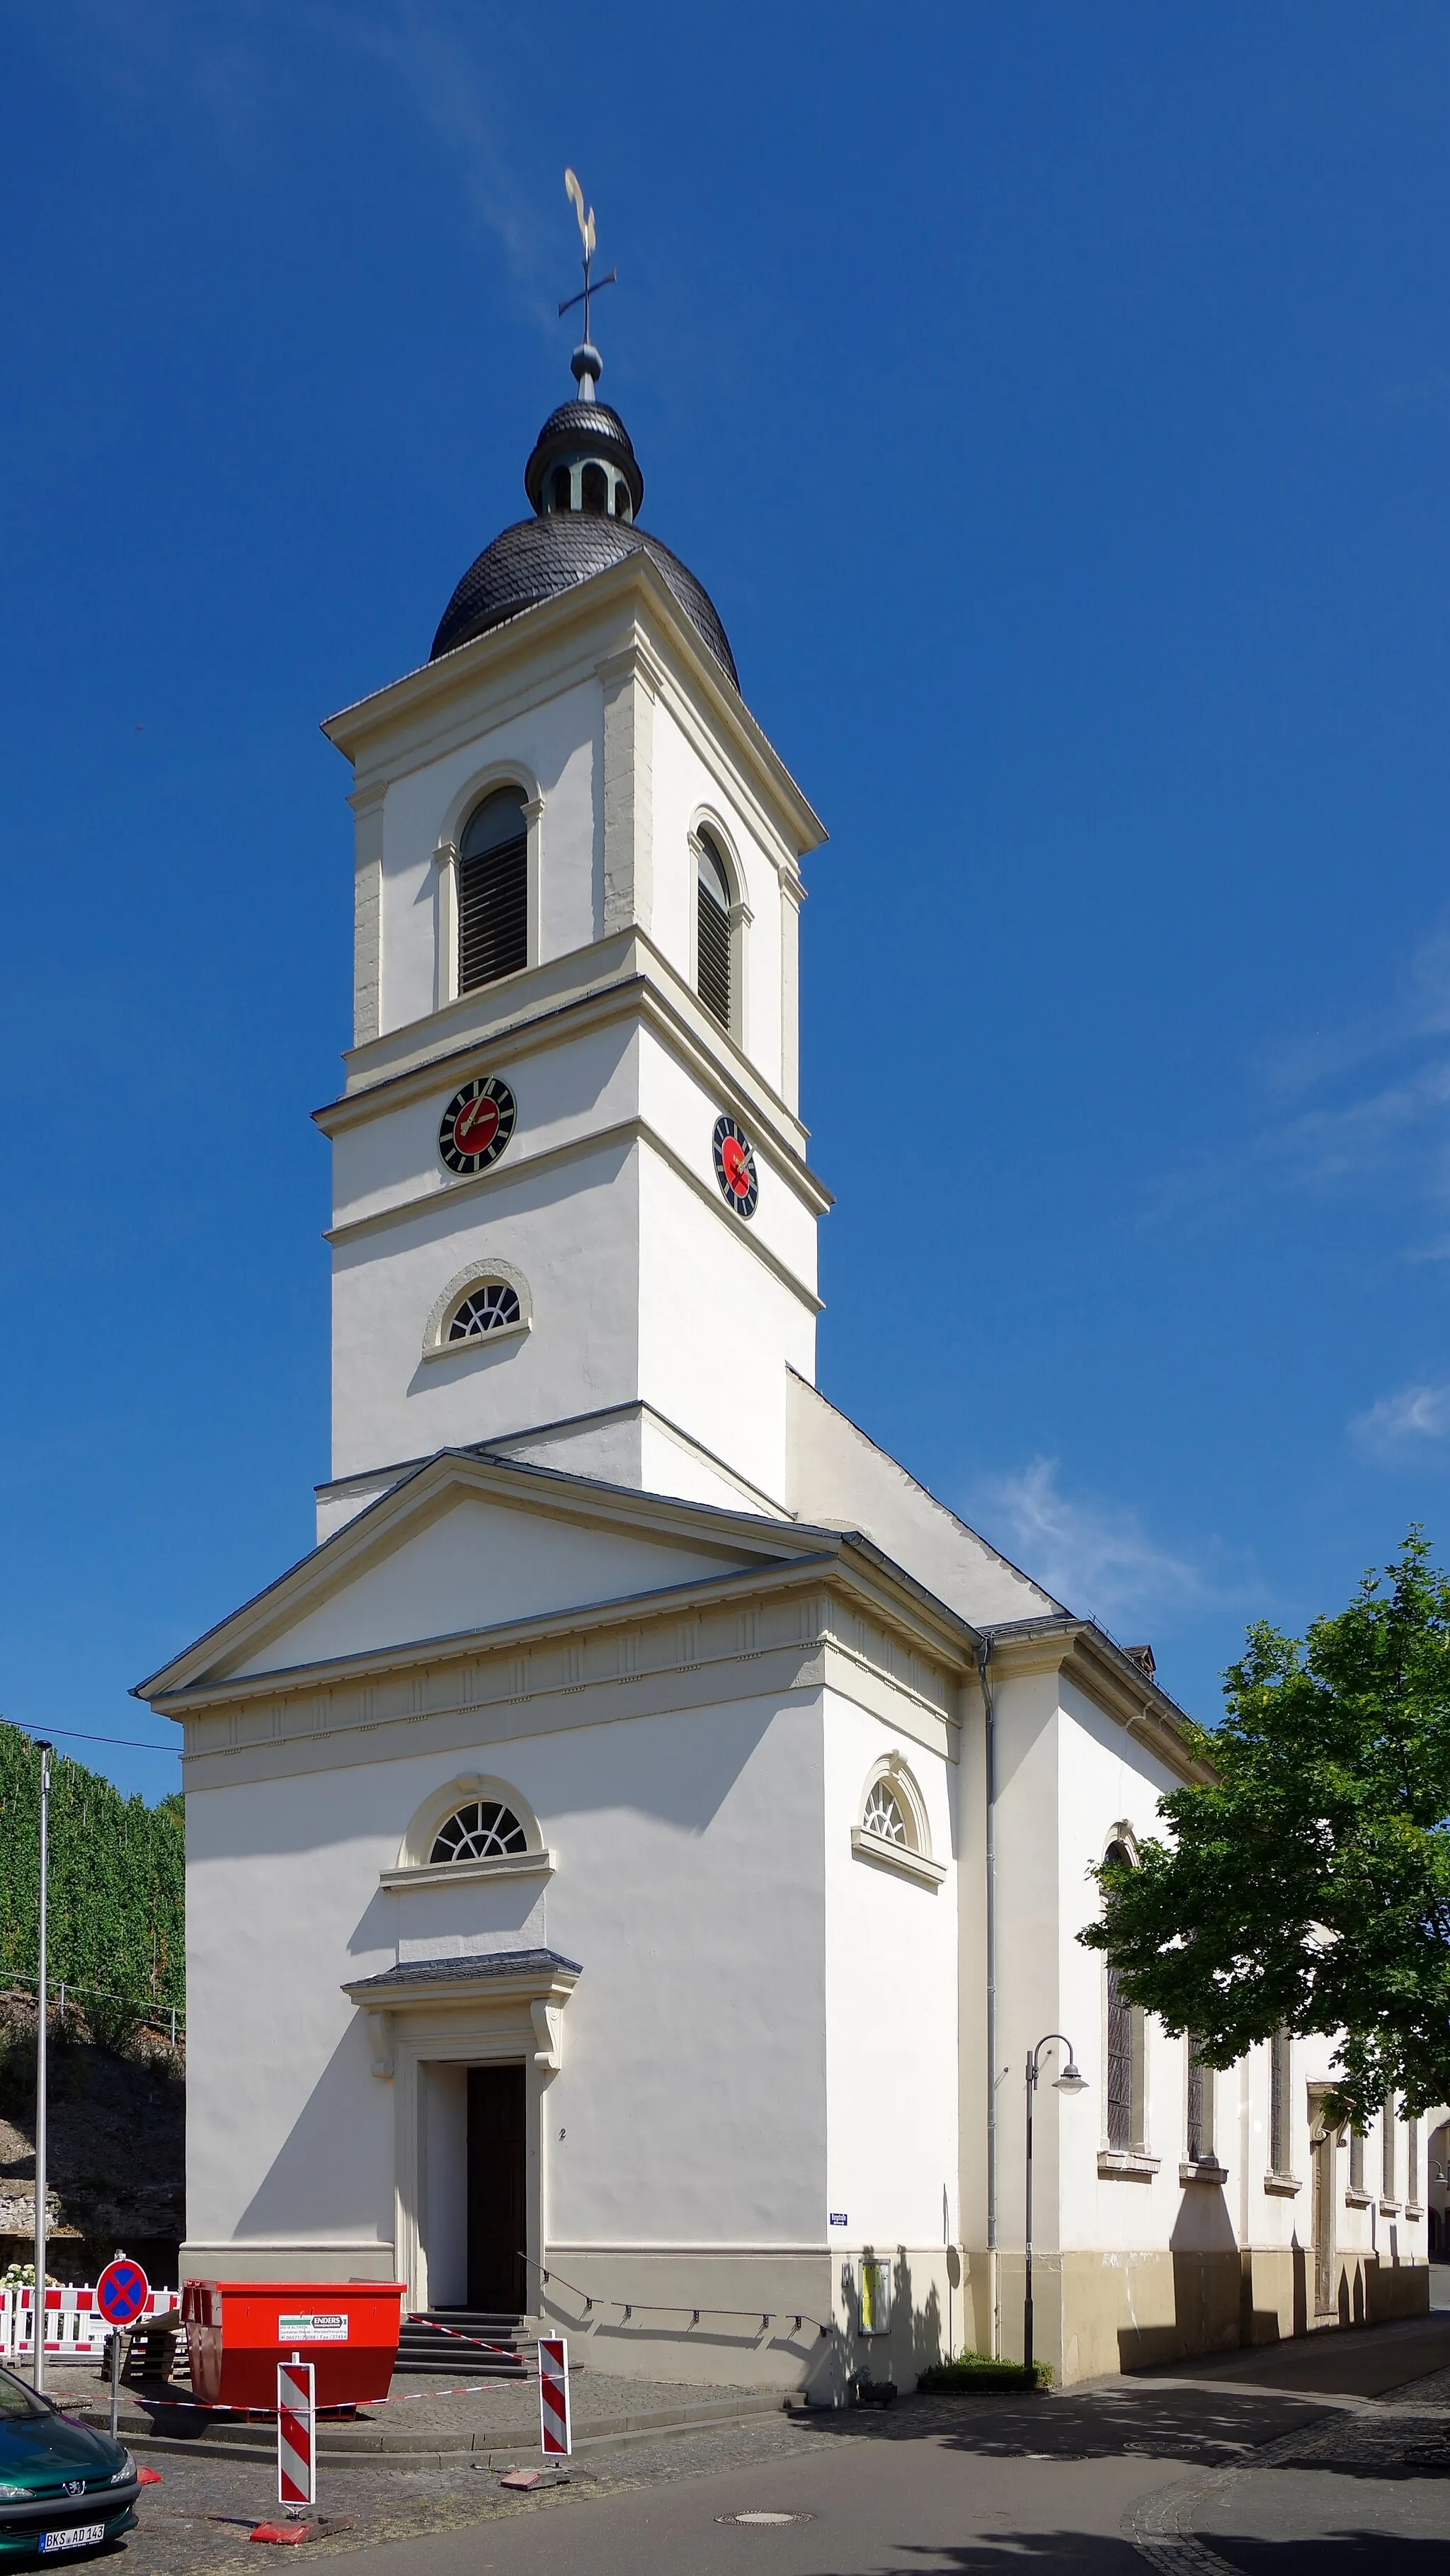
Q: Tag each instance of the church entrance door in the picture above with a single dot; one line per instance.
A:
(496, 2219)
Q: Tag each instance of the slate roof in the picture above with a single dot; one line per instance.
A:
(473, 1963)
(539, 559)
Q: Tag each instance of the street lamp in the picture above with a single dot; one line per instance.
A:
(1071, 2080)
(37, 2310)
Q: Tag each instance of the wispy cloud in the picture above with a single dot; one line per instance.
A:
(1366, 1105)
(1399, 1424)
(1092, 1554)
(466, 77)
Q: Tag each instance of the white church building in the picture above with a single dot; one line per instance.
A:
(632, 1856)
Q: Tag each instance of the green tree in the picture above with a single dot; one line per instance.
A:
(1307, 1886)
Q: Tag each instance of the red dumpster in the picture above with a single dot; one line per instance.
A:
(238, 2331)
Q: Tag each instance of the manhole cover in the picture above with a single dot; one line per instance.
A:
(757, 2519)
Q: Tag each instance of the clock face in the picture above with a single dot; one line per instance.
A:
(735, 1167)
(477, 1124)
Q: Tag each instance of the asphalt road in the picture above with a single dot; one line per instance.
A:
(1289, 2461)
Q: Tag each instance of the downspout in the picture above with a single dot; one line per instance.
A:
(984, 1657)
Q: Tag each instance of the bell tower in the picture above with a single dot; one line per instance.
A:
(573, 1216)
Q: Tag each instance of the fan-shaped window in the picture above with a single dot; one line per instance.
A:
(484, 1830)
(493, 891)
(487, 1302)
(488, 1308)
(712, 930)
(885, 1816)
(594, 490)
(893, 1830)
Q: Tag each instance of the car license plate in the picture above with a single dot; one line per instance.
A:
(81, 2535)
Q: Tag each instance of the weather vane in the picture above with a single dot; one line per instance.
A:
(592, 285)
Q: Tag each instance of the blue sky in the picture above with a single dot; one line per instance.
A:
(1055, 400)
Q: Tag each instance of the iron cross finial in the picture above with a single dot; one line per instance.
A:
(592, 285)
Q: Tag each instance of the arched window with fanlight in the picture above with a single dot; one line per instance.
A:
(713, 961)
(493, 890)
(483, 1829)
(487, 1303)
(892, 1828)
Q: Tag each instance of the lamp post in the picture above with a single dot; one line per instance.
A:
(1069, 2081)
(37, 2312)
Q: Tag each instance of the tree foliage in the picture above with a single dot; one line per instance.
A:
(1308, 1887)
(117, 1883)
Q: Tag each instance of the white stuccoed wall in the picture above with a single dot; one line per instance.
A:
(639, 1293)
(689, 1871)
(891, 2005)
(557, 744)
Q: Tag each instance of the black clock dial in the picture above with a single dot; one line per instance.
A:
(477, 1124)
(735, 1167)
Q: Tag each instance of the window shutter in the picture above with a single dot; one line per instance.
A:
(713, 956)
(493, 914)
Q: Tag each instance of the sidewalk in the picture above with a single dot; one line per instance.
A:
(490, 2423)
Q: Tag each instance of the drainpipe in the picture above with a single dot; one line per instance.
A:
(984, 1657)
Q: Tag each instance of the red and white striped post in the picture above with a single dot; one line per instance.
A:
(556, 2438)
(296, 2432)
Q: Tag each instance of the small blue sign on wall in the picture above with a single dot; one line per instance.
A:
(838, 2218)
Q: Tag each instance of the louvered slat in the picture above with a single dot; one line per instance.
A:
(713, 956)
(493, 915)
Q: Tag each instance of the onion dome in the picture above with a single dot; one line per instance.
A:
(585, 486)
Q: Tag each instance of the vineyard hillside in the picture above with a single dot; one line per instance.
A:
(117, 2090)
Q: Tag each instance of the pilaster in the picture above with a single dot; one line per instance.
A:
(367, 951)
(629, 706)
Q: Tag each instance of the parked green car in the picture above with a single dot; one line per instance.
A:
(64, 2489)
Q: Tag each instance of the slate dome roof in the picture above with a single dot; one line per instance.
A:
(564, 544)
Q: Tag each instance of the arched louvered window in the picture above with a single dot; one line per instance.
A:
(493, 891)
(712, 930)
(594, 490)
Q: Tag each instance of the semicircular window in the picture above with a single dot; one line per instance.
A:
(485, 1830)
(488, 1308)
(885, 1815)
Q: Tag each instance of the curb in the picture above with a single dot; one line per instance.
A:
(423, 2450)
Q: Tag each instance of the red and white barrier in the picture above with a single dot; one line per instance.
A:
(556, 2438)
(296, 2432)
(75, 2329)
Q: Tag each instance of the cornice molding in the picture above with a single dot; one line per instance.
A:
(621, 1136)
(417, 1499)
(832, 1628)
(474, 671)
(664, 1000)
(1079, 1652)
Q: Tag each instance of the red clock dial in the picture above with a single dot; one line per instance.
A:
(735, 1167)
(476, 1125)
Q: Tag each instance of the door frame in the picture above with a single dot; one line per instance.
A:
(472, 2037)
(1324, 2151)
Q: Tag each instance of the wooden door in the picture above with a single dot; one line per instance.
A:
(496, 2213)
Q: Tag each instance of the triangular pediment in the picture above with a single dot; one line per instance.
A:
(465, 1545)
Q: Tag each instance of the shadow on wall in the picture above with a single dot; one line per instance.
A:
(312, 2188)
(774, 2349)
(902, 2344)
(1213, 2290)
